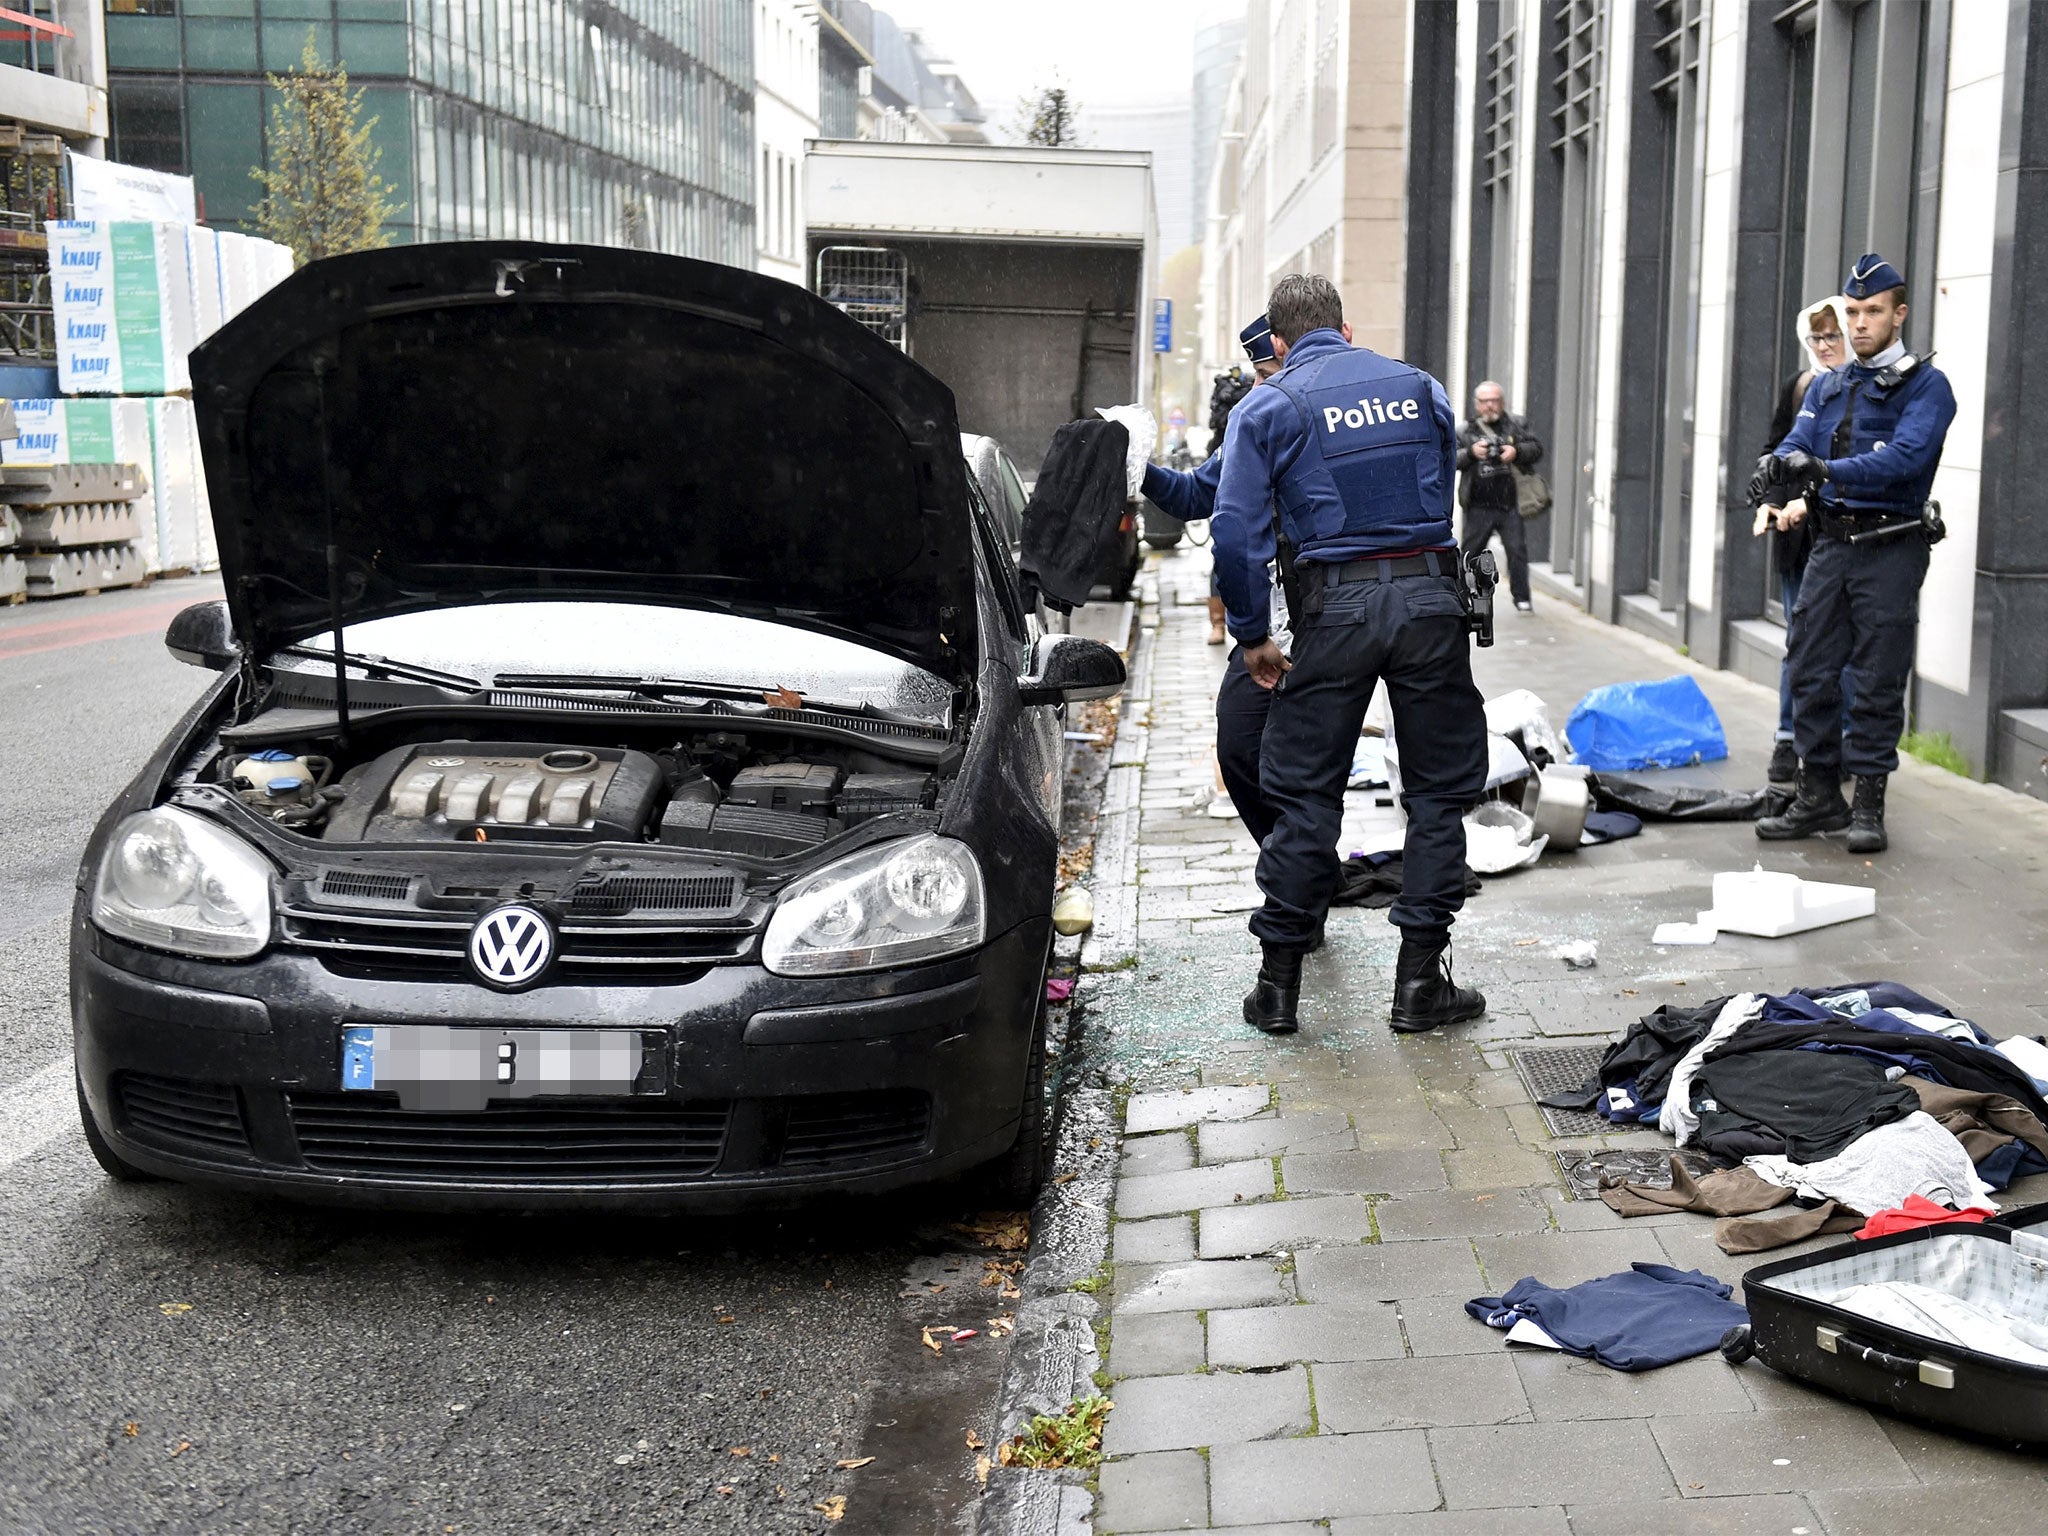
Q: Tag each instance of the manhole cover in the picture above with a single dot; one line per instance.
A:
(1561, 1069)
(1648, 1166)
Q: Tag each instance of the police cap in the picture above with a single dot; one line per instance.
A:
(1871, 276)
(1257, 339)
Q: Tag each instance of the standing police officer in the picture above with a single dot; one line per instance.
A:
(1356, 450)
(1241, 704)
(1863, 452)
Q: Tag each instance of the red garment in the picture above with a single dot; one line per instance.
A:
(1918, 1211)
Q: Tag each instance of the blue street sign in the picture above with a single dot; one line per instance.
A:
(1162, 325)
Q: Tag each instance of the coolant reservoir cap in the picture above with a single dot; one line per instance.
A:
(280, 787)
(270, 755)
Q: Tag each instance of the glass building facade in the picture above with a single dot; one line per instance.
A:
(611, 122)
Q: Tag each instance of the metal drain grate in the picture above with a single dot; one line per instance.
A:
(1561, 1069)
(1648, 1166)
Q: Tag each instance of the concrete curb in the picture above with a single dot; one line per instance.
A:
(1053, 1353)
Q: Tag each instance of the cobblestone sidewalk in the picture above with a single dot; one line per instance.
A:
(1298, 1222)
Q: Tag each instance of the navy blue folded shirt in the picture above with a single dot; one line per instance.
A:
(1650, 1316)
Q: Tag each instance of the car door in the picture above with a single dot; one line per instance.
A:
(1038, 747)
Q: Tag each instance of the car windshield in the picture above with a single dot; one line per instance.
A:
(641, 641)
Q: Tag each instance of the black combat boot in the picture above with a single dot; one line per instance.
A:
(1866, 818)
(1818, 807)
(1424, 994)
(1274, 997)
(1784, 767)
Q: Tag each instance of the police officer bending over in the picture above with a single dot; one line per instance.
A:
(1241, 704)
(1863, 452)
(1357, 451)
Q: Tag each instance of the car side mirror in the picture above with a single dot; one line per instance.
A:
(1067, 668)
(204, 636)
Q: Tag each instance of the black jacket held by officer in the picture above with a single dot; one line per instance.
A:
(1355, 451)
(1863, 451)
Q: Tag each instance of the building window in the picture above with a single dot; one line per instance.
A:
(1578, 44)
(1497, 163)
(1675, 94)
(149, 123)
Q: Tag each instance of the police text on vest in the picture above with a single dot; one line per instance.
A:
(1374, 410)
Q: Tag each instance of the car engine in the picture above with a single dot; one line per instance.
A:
(722, 793)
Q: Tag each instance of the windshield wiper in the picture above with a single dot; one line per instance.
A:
(665, 689)
(381, 666)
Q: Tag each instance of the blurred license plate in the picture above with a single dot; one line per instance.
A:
(431, 1067)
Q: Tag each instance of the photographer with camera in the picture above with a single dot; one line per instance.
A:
(1862, 454)
(1495, 449)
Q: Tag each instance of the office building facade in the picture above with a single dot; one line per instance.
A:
(1649, 191)
(617, 122)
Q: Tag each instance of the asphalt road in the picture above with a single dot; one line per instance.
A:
(174, 1360)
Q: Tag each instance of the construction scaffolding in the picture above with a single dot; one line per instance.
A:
(34, 189)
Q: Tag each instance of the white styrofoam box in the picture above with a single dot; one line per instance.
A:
(122, 294)
(1771, 905)
(41, 434)
(202, 254)
(184, 529)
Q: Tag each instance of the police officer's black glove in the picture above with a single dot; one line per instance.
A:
(1764, 480)
(1802, 473)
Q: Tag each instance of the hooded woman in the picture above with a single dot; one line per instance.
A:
(1823, 330)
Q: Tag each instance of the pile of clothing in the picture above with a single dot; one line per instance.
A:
(1861, 1107)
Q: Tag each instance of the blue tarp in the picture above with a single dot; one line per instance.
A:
(1664, 724)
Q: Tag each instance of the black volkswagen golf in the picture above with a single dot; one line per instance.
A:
(633, 777)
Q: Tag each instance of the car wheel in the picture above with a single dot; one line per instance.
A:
(116, 1166)
(1014, 1179)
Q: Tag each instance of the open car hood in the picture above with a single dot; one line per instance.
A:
(432, 425)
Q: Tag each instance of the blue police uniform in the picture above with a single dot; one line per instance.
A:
(1357, 451)
(1880, 434)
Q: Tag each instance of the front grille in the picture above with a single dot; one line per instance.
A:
(344, 884)
(433, 945)
(843, 1127)
(180, 1115)
(368, 1136)
(620, 894)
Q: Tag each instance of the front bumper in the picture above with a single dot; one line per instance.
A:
(773, 1087)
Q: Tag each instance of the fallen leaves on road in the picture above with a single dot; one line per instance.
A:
(727, 1489)
(775, 1456)
(995, 1275)
(855, 1464)
(1006, 1231)
(974, 1441)
(182, 1447)
(739, 1450)
(833, 1508)
(728, 1318)
(931, 1343)
(1065, 1178)
(981, 1466)
(1076, 861)
(173, 1308)
(998, 1326)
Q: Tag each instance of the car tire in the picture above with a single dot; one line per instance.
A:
(1013, 1180)
(116, 1166)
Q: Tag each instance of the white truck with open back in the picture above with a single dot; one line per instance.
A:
(1021, 276)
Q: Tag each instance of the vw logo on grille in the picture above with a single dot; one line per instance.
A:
(511, 947)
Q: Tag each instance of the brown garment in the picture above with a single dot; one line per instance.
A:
(1733, 1193)
(1982, 1122)
(1725, 1192)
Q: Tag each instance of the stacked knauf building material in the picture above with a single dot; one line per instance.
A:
(132, 299)
(76, 525)
(173, 521)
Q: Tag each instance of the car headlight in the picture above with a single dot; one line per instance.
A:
(174, 881)
(898, 901)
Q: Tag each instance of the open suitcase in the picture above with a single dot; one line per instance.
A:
(1795, 1325)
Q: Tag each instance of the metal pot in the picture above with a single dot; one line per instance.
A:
(1557, 801)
